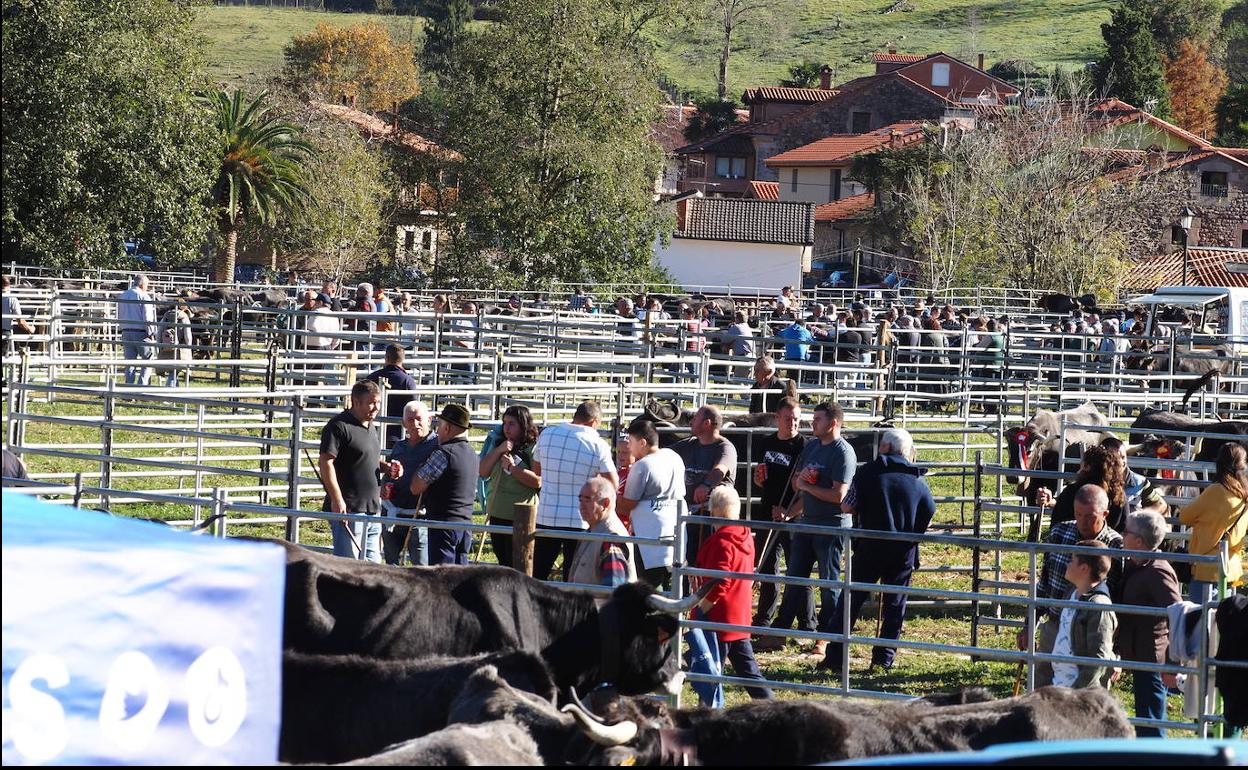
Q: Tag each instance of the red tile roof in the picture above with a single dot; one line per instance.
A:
(897, 58)
(1127, 163)
(845, 208)
(374, 126)
(839, 148)
(786, 94)
(764, 191)
(1110, 113)
(1206, 266)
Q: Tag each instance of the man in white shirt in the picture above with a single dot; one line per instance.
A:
(566, 456)
(136, 320)
(322, 325)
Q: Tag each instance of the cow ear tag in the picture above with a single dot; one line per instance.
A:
(629, 761)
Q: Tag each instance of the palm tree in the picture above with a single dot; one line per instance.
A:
(261, 170)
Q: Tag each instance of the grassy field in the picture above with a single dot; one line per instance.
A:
(245, 44)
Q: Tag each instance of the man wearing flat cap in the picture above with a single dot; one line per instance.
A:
(447, 484)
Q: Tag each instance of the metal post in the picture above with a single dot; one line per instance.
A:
(1031, 620)
(106, 446)
(292, 468)
(218, 509)
(847, 568)
(976, 553)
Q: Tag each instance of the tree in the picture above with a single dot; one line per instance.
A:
(553, 117)
(341, 225)
(445, 32)
(1173, 21)
(1024, 203)
(359, 64)
(1233, 117)
(261, 171)
(730, 18)
(103, 139)
(804, 74)
(712, 116)
(1234, 36)
(1195, 83)
(1131, 68)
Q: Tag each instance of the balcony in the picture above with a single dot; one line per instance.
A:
(1214, 190)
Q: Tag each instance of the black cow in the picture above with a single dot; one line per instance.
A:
(493, 744)
(271, 298)
(1232, 620)
(802, 732)
(342, 707)
(1161, 420)
(344, 607)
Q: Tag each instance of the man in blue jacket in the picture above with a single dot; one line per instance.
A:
(889, 494)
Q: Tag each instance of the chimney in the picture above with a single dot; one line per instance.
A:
(894, 139)
(825, 78)
(892, 49)
(981, 62)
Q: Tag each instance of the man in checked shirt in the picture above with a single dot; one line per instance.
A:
(1091, 512)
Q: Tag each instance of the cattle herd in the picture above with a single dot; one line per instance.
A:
(484, 665)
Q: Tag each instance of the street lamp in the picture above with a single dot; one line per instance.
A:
(1185, 222)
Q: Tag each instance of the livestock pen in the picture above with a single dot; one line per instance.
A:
(228, 445)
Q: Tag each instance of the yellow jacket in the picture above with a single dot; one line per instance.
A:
(1209, 516)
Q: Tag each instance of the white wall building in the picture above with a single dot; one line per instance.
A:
(739, 242)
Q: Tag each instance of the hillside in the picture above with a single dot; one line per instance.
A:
(245, 44)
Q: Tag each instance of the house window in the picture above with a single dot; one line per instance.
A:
(1214, 184)
(860, 123)
(940, 74)
(426, 240)
(834, 185)
(730, 168)
(1243, 239)
(793, 181)
(409, 241)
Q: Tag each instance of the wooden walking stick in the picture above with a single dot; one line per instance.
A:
(403, 548)
(356, 548)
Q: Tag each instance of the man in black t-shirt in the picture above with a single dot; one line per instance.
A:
(765, 379)
(397, 378)
(349, 464)
(775, 455)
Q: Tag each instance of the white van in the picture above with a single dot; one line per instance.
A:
(1222, 310)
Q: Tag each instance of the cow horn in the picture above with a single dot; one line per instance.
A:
(677, 606)
(617, 734)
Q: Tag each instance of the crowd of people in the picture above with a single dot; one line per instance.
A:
(567, 472)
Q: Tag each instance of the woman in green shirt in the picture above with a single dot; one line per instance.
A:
(509, 467)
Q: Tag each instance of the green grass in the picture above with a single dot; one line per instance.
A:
(245, 44)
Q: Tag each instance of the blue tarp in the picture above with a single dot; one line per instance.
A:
(130, 642)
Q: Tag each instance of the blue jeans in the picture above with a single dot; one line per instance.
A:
(449, 546)
(1150, 701)
(361, 543)
(136, 346)
(393, 536)
(805, 552)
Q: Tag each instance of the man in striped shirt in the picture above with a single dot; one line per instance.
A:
(566, 456)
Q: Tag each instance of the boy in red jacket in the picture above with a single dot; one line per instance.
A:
(731, 549)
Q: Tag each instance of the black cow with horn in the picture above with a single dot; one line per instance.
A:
(345, 607)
